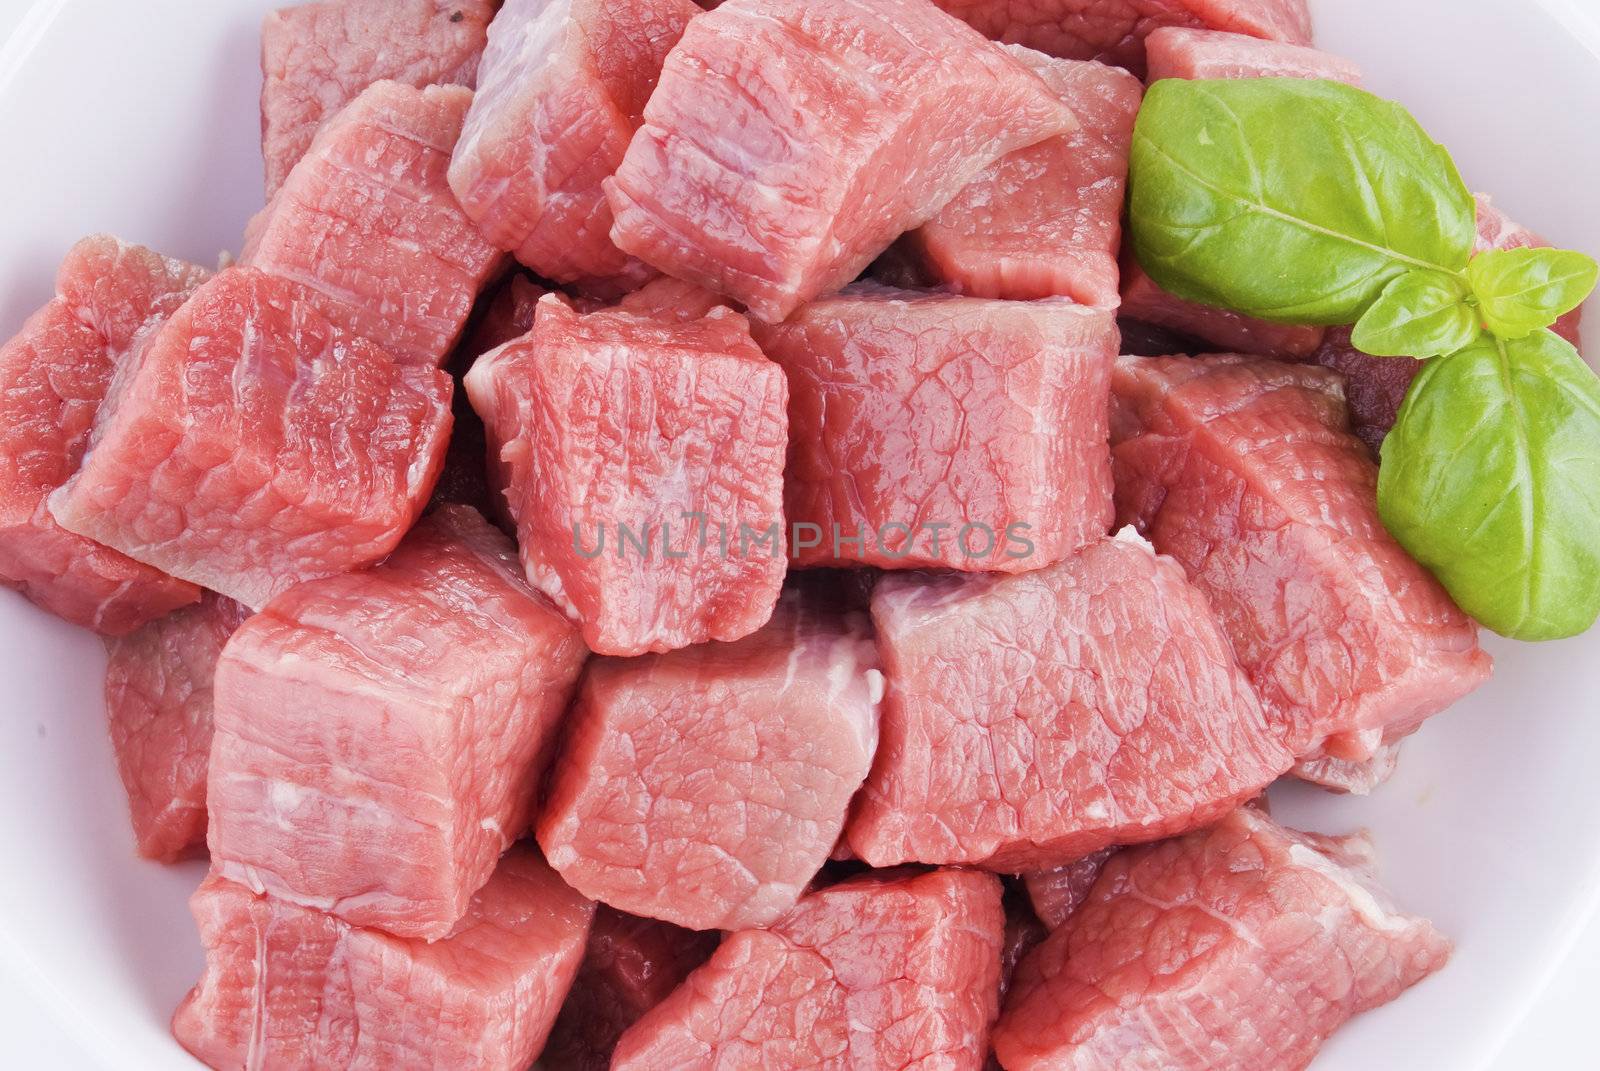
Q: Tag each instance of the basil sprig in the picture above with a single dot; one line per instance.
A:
(1314, 202)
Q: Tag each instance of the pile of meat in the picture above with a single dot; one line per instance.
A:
(660, 553)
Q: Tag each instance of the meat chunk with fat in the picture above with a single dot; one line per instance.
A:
(943, 431)
(1115, 31)
(380, 735)
(630, 966)
(367, 224)
(1236, 948)
(1045, 220)
(857, 121)
(885, 970)
(254, 444)
(1355, 778)
(1180, 52)
(1033, 719)
(707, 786)
(643, 462)
(158, 703)
(54, 376)
(318, 57)
(1245, 473)
(561, 91)
(292, 988)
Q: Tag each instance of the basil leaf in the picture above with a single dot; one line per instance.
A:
(1420, 314)
(1521, 290)
(1491, 479)
(1289, 199)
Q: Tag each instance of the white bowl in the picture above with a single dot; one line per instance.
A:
(140, 119)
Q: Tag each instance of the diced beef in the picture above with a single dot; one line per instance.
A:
(1243, 471)
(1377, 385)
(1355, 778)
(1033, 719)
(1238, 948)
(380, 735)
(1223, 328)
(706, 786)
(935, 430)
(158, 703)
(54, 376)
(883, 970)
(1177, 52)
(292, 988)
(316, 58)
(1056, 894)
(509, 315)
(561, 91)
(857, 121)
(367, 223)
(630, 966)
(641, 459)
(1114, 31)
(671, 299)
(255, 445)
(1045, 220)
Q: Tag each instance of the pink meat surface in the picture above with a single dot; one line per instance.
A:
(380, 735)
(1045, 220)
(367, 223)
(630, 966)
(857, 120)
(1377, 385)
(1177, 52)
(1033, 719)
(1355, 778)
(935, 430)
(289, 988)
(1243, 471)
(316, 58)
(1238, 948)
(635, 454)
(1056, 894)
(256, 445)
(509, 315)
(158, 703)
(561, 91)
(1114, 31)
(880, 971)
(708, 785)
(1223, 329)
(671, 299)
(54, 375)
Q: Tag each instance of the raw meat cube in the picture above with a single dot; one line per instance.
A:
(158, 702)
(256, 445)
(671, 299)
(1114, 31)
(1045, 220)
(1241, 947)
(380, 735)
(367, 223)
(1222, 328)
(1033, 719)
(630, 966)
(561, 91)
(856, 121)
(1178, 52)
(1056, 894)
(706, 786)
(1377, 385)
(54, 375)
(1244, 472)
(1356, 778)
(934, 430)
(637, 456)
(880, 971)
(290, 988)
(316, 58)
(509, 315)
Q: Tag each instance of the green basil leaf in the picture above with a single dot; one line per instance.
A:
(1420, 314)
(1289, 199)
(1491, 479)
(1521, 290)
